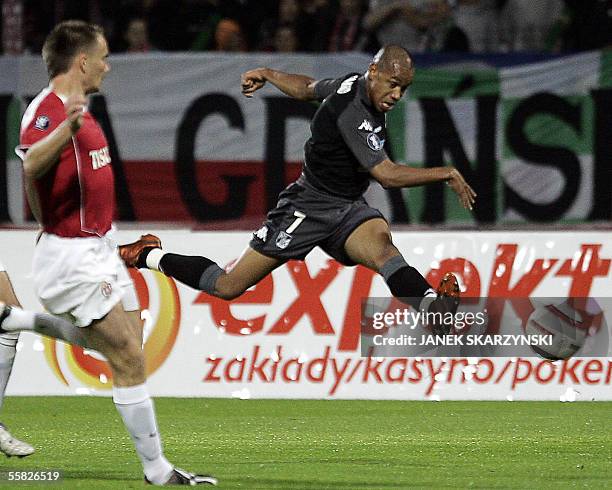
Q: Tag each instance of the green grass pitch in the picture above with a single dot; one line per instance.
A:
(297, 444)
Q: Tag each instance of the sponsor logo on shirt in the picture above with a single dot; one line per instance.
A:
(100, 158)
(367, 126)
(283, 239)
(42, 123)
(262, 233)
(375, 142)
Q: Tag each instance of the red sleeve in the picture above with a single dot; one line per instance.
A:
(39, 120)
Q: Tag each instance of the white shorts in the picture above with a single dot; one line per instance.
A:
(83, 278)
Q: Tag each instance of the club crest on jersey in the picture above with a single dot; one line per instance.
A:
(283, 239)
(375, 142)
(106, 289)
(42, 123)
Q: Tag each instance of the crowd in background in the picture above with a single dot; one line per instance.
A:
(139, 26)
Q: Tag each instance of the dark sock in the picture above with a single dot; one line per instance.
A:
(408, 285)
(141, 263)
(185, 268)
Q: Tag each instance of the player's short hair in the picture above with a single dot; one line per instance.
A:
(388, 55)
(66, 40)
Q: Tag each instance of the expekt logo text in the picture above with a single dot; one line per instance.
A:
(79, 368)
(508, 279)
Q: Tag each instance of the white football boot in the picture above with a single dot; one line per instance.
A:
(13, 447)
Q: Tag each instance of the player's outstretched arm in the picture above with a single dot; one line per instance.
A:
(43, 154)
(297, 86)
(390, 174)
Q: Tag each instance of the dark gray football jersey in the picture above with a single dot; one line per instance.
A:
(348, 136)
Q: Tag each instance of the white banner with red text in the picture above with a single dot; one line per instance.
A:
(296, 333)
(532, 138)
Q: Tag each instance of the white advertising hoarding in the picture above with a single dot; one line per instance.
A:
(296, 334)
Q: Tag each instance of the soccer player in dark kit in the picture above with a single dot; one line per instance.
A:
(325, 206)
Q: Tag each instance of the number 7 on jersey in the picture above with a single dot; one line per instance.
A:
(299, 217)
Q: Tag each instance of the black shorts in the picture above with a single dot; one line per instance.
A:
(305, 218)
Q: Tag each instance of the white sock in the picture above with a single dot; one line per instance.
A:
(8, 341)
(154, 257)
(19, 320)
(136, 409)
(44, 324)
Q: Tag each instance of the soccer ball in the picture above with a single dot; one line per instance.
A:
(568, 326)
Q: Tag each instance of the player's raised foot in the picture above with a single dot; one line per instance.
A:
(11, 446)
(132, 252)
(447, 302)
(182, 477)
(5, 310)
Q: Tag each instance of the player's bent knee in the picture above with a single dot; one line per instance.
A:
(125, 349)
(227, 290)
(228, 294)
(129, 363)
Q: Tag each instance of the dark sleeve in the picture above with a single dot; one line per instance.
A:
(366, 144)
(327, 86)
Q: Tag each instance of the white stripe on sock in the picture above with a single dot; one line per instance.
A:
(154, 257)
